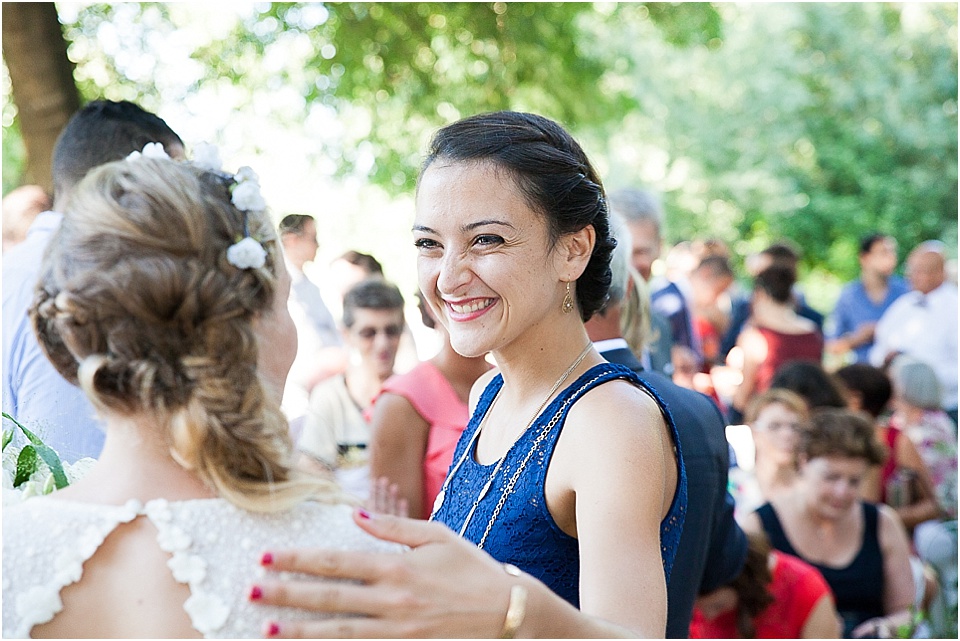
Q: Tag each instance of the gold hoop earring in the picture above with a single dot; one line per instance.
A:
(567, 305)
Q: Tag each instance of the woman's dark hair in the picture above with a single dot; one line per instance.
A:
(752, 585)
(551, 171)
(871, 383)
(812, 382)
(777, 281)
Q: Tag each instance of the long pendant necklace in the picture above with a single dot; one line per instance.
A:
(469, 449)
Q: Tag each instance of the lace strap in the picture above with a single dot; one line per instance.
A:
(41, 556)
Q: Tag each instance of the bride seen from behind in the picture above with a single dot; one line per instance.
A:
(164, 296)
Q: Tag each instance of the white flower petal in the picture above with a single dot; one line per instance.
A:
(155, 150)
(79, 469)
(207, 612)
(38, 605)
(246, 196)
(246, 254)
(246, 174)
(188, 568)
(173, 539)
(30, 489)
(159, 510)
(69, 573)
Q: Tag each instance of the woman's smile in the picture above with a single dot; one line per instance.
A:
(468, 309)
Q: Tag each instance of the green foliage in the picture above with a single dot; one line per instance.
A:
(14, 154)
(413, 67)
(27, 463)
(31, 455)
(813, 121)
(14, 158)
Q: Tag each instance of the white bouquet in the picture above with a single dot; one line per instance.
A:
(35, 469)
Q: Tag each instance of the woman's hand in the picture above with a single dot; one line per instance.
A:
(443, 587)
(385, 498)
(886, 627)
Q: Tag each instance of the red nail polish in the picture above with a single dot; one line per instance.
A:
(273, 629)
(363, 514)
(266, 559)
(256, 593)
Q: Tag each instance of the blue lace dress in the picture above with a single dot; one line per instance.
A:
(524, 533)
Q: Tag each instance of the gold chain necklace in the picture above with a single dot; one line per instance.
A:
(469, 449)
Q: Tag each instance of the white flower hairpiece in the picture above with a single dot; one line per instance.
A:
(150, 150)
(246, 196)
(247, 253)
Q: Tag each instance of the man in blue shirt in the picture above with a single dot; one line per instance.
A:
(862, 302)
(33, 391)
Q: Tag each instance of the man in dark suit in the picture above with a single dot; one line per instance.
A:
(712, 546)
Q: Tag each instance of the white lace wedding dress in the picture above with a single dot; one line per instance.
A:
(214, 548)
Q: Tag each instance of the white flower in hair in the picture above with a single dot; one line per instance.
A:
(247, 254)
(150, 150)
(246, 174)
(207, 156)
(246, 197)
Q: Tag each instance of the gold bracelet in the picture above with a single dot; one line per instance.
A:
(517, 607)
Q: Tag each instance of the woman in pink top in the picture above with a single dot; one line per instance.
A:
(417, 420)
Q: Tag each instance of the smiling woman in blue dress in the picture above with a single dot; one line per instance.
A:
(569, 468)
(514, 247)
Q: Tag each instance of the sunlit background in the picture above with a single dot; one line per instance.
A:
(818, 122)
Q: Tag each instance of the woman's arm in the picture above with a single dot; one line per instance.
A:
(443, 587)
(398, 444)
(924, 507)
(611, 479)
(898, 591)
(754, 349)
(823, 621)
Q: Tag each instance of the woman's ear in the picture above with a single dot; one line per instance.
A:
(575, 250)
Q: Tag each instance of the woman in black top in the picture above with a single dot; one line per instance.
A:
(860, 548)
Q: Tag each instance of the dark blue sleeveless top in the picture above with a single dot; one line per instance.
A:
(857, 588)
(524, 533)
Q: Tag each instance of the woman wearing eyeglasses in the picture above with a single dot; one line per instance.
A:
(776, 419)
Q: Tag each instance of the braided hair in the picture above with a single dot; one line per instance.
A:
(138, 304)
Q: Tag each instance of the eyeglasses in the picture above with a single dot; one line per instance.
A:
(774, 426)
(390, 331)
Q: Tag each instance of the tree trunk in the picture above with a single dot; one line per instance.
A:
(42, 79)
